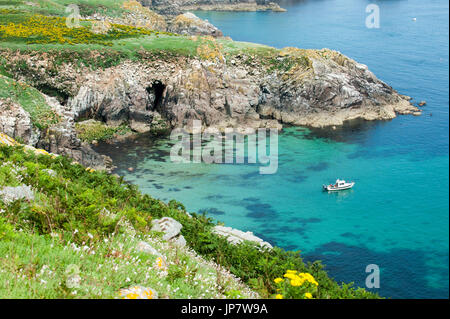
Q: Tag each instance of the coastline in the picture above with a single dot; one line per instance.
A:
(87, 94)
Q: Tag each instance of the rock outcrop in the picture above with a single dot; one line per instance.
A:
(138, 16)
(175, 7)
(16, 123)
(189, 24)
(292, 86)
(171, 229)
(236, 237)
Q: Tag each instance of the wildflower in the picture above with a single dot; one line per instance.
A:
(292, 272)
(278, 280)
(160, 263)
(279, 296)
(138, 292)
(308, 295)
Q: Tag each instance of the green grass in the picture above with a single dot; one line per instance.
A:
(98, 131)
(57, 7)
(30, 99)
(36, 266)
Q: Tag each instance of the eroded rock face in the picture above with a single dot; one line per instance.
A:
(323, 94)
(16, 123)
(174, 7)
(299, 87)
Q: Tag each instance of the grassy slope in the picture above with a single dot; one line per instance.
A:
(30, 99)
(183, 45)
(68, 207)
(88, 219)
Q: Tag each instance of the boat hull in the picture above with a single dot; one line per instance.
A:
(337, 189)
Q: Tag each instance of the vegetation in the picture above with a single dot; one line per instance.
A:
(30, 99)
(89, 131)
(29, 29)
(77, 211)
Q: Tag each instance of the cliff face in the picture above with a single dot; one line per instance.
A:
(178, 6)
(298, 87)
(137, 15)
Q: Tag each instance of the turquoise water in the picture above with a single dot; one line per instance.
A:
(397, 215)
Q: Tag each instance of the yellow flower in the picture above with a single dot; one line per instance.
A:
(160, 263)
(308, 295)
(278, 280)
(291, 276)
(132, 296)
(296, 282)
(279, 296)
(148, 294)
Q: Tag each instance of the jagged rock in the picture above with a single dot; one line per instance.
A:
(16, 122)
(320, 88)
(235, 236)
(174, 7)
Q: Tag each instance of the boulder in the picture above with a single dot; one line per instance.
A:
(171, 229)
(16, 122)
(169, 226)
(236, 237)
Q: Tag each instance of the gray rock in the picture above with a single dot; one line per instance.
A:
(147, 248)
(16, 122)
(169, 226)
(10, 194)
(322, 88)
(189, 24)
(235, 236)
(180, 241)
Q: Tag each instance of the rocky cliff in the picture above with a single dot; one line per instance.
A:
(291, 86)
(179, 6)
(136, 15)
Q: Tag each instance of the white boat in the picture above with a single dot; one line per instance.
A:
(339, 186)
